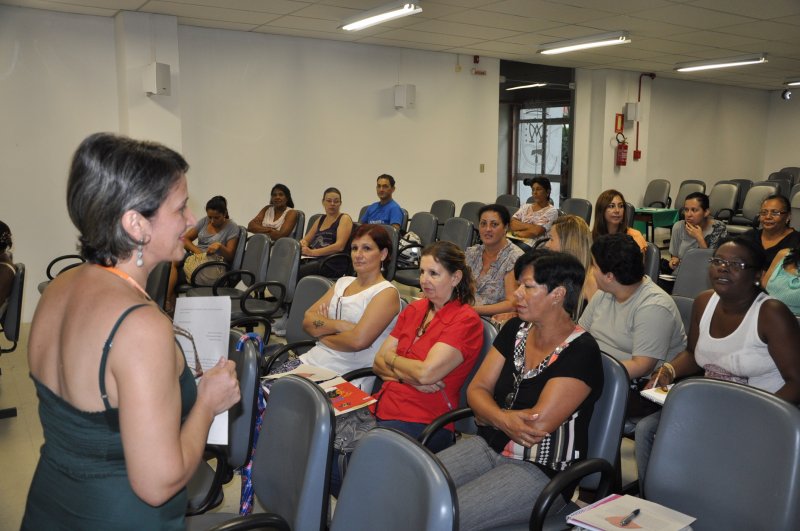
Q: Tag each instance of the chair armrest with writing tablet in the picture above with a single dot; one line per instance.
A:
(443, 420)
(282, 353)
(348, 260)
(230, 279)
(566, 481)
(260, 521)
(276, 302)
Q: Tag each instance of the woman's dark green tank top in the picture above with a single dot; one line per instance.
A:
(81, 481)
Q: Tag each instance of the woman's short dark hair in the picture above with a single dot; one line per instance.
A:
(603, 200)
(285, 189)
(700, 197)
(378, 234)
(331, 190)
(110, 175)
(544, 182)
(554, 269)
(452, 258)
(500, 209)
(5, 237)
(218, 204)
(757, 258)
(619, 254)
(787, 206)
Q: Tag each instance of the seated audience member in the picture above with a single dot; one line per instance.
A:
(7, 269)
(775, 233)
(782, 279)
(533, 397)
(610, 217)
(631, 318)
(532, 222)
(432, 348)
(698, 230)
(737, 333)
(328, 236)
(570, 234)
(352, 320)
(385, 210)
(278, 218)
(217, 237)
(492, 262)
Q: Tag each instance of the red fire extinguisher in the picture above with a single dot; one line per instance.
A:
(622, 150)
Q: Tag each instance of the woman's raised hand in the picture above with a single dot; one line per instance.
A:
(219, 387)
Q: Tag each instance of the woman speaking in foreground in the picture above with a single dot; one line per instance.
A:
(124, 423)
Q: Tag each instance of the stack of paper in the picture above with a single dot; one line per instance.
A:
(609, 513)
(657, 394)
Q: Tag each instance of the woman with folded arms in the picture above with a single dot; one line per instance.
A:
(533, 397)
(278, 218)
(124, 423)
(737, 333)
(532, 222)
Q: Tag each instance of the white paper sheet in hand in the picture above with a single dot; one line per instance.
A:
(208, 320)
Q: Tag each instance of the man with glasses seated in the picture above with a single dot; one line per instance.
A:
(775, 233)
(385, 210)
(631, 318)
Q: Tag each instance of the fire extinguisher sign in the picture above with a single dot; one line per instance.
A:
(622, 150)
(619, 121)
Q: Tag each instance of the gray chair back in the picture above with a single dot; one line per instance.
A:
(404, 223)
(722, 199)
(256, 258)
(12, 317)
(489, 334)
(691, 277)
(284, 261)
(238, 254)
(794, 171)
(391, 267)
(459, 231)
(578, 207)
(311, 221)
(291, 473)
(630, 212)
(362, 212)
(424, 224)
(784, 180)
(416, 492)
(443, 209)
(744, 187)
(684, 305)
(701, 466)
(509, 200)
(242, 416)
(299, 225)
(656, 195)
(652, 261)
(795, 202)
(794, 190)
(752, 205)
(469, 210)
(688, 186)
(158, 283)
(309, 290)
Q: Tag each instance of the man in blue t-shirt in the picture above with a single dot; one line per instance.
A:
(385, 210)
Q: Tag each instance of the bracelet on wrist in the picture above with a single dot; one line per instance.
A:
(391, 363)
(668, 366)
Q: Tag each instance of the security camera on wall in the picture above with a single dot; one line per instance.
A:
(786, 94)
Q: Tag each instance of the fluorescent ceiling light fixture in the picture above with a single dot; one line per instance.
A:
(725, 62)
(593, 41)
(533, 85)
(381, 14)
(792, 82)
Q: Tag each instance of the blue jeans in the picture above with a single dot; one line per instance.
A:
(492, 490)
(645, 436)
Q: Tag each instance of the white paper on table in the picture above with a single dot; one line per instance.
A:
(208, 320)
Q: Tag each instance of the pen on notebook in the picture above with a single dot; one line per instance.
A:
(628, 519)
(658, 377)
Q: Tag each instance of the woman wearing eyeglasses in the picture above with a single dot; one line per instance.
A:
(775, 233)
(533, 397)
(492, 262)
(328, 236)
(124, 423)
(737, 333)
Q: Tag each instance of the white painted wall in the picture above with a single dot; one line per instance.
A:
(783, 133)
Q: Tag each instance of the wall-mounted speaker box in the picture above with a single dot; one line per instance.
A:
(404, 96)
(155, 79)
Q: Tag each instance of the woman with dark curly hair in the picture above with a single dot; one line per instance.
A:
(278, 218)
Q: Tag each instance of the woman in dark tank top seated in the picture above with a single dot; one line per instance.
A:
(329, 235)
(124, 423)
